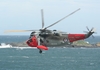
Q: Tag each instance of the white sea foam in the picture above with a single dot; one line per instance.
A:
(25, 56)
(25, 48)
(3, 45)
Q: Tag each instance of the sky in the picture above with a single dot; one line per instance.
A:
(26, 15)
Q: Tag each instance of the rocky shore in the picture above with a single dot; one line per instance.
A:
(80, 43)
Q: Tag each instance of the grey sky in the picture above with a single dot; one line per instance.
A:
(25, 14)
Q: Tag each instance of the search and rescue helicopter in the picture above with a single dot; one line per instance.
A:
(43, 37)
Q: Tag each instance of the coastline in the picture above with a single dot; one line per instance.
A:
(80, 43)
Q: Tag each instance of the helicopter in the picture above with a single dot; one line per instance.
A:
(43, 37)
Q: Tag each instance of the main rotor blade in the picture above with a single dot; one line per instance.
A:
(42, 18)
(9, 31)
(62, 18)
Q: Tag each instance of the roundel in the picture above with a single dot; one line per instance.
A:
(65, 40)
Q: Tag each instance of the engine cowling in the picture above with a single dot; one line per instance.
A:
(57, 33)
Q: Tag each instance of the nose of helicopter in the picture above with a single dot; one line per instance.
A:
(29, 43)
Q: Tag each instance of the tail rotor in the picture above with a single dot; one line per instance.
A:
(90, 32)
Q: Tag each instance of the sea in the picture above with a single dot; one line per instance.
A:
(56, 58)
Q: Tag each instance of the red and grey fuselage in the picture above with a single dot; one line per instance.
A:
(33, 42)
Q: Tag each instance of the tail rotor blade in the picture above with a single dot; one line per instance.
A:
(93, 30)
(87, 28)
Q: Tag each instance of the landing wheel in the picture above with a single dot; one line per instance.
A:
(40, 51)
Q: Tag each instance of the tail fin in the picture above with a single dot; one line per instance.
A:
(90, 32)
